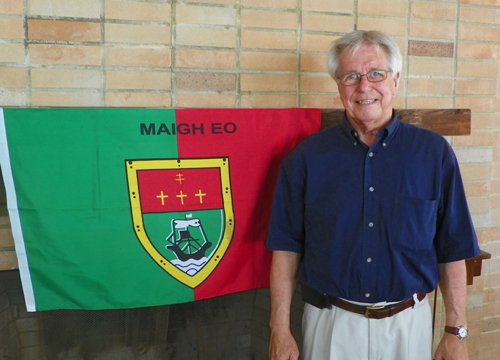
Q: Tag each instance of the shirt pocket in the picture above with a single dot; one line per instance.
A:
(413, 224)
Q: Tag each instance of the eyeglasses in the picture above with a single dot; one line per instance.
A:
(373, 76)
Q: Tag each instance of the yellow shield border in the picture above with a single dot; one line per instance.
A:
(135, 205)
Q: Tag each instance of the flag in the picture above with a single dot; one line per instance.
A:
(125, 208)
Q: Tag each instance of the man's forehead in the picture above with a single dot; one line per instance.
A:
(368, 55)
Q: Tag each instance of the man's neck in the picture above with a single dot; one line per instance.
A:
(368, 132)
(368, 138)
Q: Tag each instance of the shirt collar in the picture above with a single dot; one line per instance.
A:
(384, 134)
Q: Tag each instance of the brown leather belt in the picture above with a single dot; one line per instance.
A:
(371, 312)
(376, 312)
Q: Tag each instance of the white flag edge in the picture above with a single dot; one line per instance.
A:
(15, 220)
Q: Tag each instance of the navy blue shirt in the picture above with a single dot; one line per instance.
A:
(372, 224)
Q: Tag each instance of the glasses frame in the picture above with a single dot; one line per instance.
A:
(386, 72)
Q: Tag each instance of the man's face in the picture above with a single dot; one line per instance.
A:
(367, 104)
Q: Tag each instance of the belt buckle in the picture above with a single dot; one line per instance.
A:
(371, 308)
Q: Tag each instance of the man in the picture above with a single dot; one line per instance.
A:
(369, 216)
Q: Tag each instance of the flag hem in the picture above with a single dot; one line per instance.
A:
(15, 221)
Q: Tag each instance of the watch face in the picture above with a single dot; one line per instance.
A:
(462, 332)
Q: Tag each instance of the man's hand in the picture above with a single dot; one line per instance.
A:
(451, 348)
(283, 346)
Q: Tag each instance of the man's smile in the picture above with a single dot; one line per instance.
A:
(366, 102)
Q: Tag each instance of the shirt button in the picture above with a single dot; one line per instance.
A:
(370, 224)
(367, 295)
(384, 145)
(355, 134)
(370, 154)
(371, 189)
(369, 260)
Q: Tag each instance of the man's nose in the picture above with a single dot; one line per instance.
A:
(363, 82)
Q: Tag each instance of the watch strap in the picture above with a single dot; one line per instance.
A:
(455, 330)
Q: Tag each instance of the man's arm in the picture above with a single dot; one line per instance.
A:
(454, 290)
(283, 281)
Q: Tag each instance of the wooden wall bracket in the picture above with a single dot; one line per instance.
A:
(474, 266)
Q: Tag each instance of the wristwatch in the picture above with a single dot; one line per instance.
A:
(460, 332)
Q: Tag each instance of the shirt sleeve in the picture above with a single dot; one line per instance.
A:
(455, 236)
(286, 229)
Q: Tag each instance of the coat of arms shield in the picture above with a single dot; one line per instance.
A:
(182, 213)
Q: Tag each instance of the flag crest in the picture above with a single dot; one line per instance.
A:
(182, 213)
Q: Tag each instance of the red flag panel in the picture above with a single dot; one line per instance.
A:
(255, 141)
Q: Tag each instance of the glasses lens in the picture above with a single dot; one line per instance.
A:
(350, 79)
(376, 76)
(373, 76)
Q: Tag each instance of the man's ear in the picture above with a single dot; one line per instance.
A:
(396, 79)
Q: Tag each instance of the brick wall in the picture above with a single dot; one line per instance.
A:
(266, 53)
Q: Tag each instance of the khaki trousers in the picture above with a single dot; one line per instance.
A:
(336, 334)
